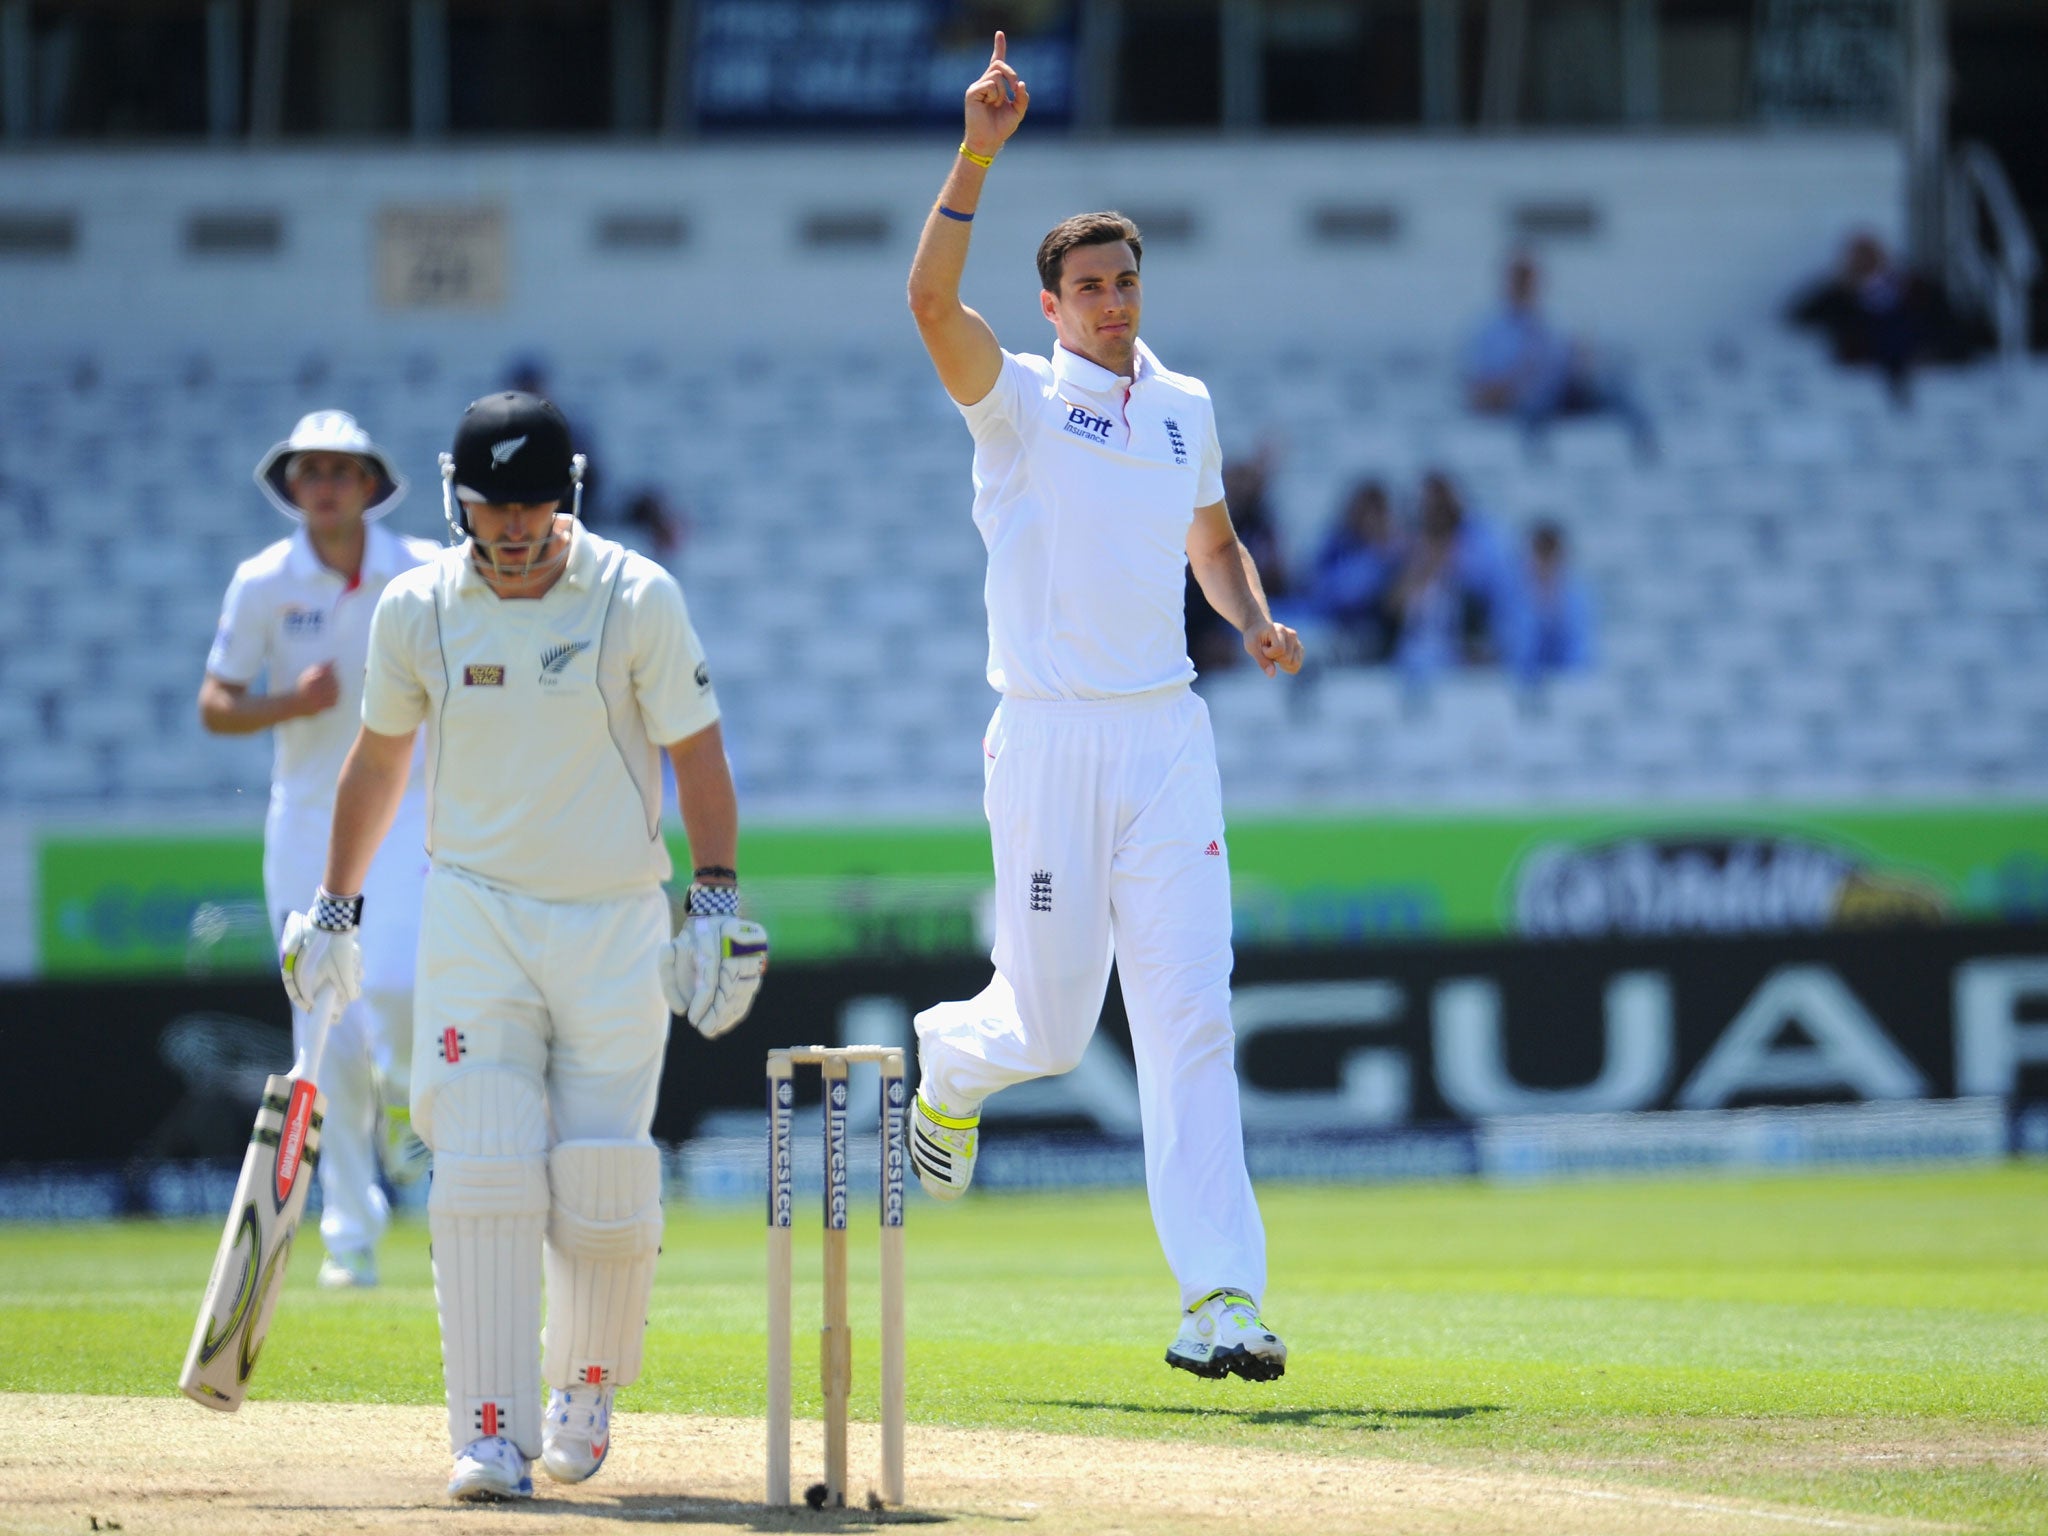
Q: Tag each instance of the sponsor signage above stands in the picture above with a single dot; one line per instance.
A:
(778, 63)
(1421, 1034)
(167, 905)
(1677, 884)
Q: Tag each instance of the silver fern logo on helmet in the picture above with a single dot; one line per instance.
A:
(501, 453)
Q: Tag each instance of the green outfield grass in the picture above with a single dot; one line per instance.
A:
(1863, 1343)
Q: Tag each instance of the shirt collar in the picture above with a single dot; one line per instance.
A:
(1076, 372)
(380, 553)
(380, 556)
(582, 557)
(303, 561)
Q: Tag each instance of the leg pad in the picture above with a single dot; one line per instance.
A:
(604, 1233)
(487, 1212)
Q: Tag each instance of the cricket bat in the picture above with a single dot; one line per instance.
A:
(248, 1271)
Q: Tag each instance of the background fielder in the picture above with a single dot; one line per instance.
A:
(1098, 484)
(550, 668)
(298, 615)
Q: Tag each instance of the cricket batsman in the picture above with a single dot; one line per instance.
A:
(551, 669)
(1097, 486)
(299, 614)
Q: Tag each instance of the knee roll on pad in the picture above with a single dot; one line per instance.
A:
(604, 1232)
(487, 1211)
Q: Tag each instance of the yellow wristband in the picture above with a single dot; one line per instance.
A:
(984, 161)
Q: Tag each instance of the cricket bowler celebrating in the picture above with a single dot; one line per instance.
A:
(551, 668)
(1098, 483)
(300, 613)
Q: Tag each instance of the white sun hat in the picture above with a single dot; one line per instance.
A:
(329, 432)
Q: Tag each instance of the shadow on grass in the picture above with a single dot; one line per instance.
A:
(1334, 1416)
(681, 1509)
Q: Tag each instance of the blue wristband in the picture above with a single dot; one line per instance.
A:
(964, 218)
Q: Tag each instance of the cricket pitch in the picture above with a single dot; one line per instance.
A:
(162, 1467)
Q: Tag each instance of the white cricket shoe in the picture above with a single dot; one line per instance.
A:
(576, 1432)
(1221, 1335)
(355, 1271)
(942, 1148)
(488, 1469)
(404, 1156)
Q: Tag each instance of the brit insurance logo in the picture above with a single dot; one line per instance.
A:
(303, 623)
(554, 661)
(1085, 424)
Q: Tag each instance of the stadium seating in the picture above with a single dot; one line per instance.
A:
(1809, 596)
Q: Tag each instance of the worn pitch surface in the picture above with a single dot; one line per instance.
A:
(167, 1467)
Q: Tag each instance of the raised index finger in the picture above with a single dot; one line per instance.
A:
(1001, 44)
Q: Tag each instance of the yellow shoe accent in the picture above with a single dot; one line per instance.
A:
(951, 1123)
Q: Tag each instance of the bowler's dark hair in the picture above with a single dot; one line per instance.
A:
(1104, 228)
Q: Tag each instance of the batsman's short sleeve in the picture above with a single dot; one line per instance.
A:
(1209, 485)
(671, 678)
(1002, 406)
(394, 697)
(241, 641)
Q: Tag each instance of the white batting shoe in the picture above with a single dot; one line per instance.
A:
(490, 1469)
(943, 1148)
(576, 1432)
(1221, 1335)
(355, 1271)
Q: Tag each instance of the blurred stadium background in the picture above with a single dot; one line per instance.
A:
(1752, 825)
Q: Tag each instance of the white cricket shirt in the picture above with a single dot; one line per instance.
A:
(1085, 486)
(285, 612)
(545, 716)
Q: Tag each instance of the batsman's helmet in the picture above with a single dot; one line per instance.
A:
(328, 432)
(510, 449)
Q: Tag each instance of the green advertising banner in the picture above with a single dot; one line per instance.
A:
(118, 904)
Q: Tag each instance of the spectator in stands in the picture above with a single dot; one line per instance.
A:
(1447, 599)
(1547, 626)
(647, 524)
(1245, 484)
(1517, 365)
(1355, 572)
(1213, 642)
(1876, 313)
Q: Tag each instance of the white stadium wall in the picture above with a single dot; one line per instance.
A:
(1650, 241)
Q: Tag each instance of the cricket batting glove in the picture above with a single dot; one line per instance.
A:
(320, 950)
(713, 966)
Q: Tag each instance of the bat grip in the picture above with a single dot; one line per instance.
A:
(326, 1009)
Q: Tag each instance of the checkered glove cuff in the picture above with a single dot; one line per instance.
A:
(714, 901)
(337, 914)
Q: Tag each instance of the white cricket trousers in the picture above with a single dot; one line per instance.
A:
(1106, 819)
(565, 994)
(371, 1043)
